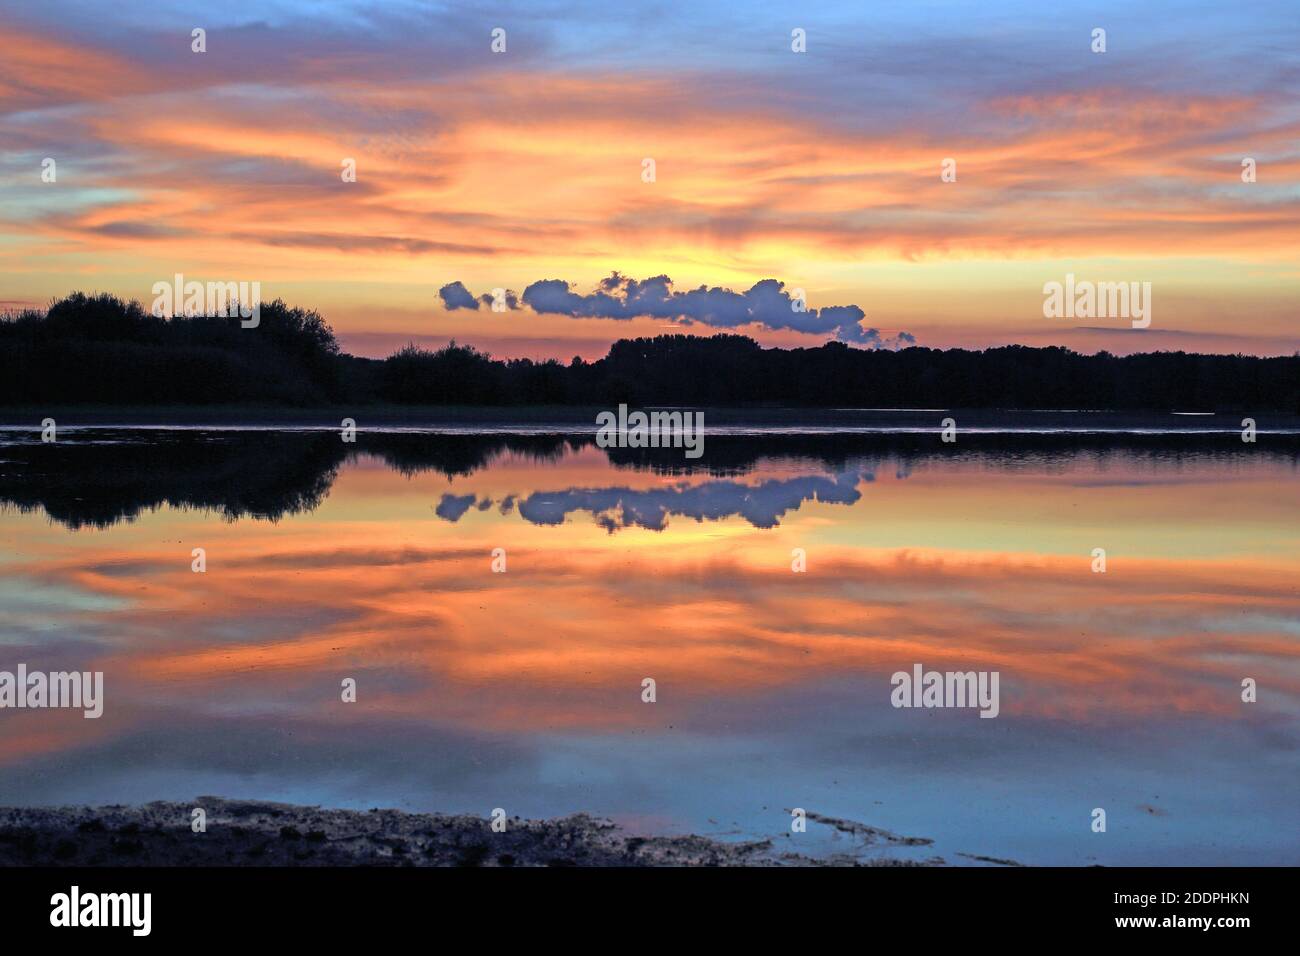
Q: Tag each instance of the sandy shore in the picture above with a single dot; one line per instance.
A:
(244, 833)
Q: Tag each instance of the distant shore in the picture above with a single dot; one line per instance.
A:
(578, 419)
(254, 833)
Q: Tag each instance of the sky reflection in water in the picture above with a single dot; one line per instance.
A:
(522, 690)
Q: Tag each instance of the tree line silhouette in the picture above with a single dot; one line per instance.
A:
(101, 350)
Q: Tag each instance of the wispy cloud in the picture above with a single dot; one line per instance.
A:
(821, 168)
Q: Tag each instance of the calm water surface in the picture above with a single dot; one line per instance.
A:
(522, 690)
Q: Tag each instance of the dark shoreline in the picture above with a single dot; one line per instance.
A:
(256, 833)
(575, 417)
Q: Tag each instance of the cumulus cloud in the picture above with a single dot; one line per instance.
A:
(509, 298)
(456, 296)
(767, 303)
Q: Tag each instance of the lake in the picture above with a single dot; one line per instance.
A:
(522, 688)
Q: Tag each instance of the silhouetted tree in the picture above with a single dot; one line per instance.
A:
(100, 349)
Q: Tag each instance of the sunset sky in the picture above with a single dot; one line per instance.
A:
(820, 170)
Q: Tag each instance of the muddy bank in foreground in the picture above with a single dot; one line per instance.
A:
(244, 833)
